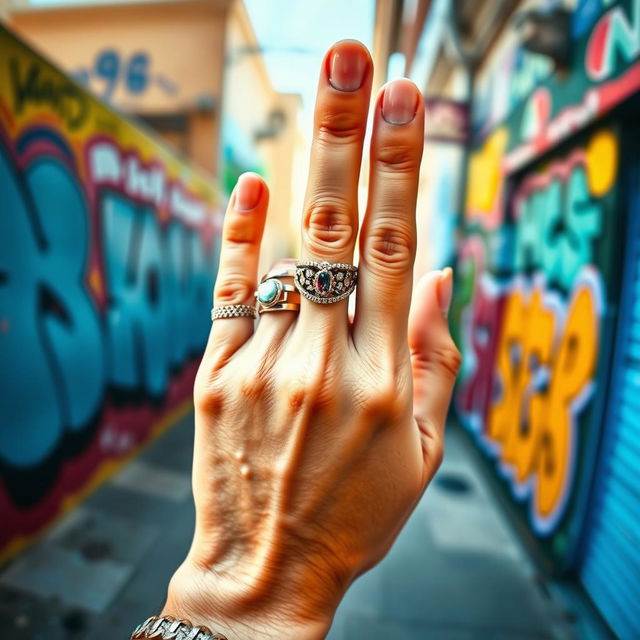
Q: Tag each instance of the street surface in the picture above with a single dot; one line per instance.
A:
(456, 572)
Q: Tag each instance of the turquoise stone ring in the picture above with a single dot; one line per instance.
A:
(269, 292)
(325, 282)
(274, 295)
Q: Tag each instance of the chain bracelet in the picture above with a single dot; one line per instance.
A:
(168, 628)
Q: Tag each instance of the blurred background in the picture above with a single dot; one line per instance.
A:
(123, 128)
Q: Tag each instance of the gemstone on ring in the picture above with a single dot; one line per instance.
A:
(325, 282)
(322, 282)
(269, 292)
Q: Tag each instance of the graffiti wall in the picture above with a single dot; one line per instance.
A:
(107, 259)
(538, 266)
(532, 321)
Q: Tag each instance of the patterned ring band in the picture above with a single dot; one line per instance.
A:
(325, 282)
(168, 628)
(234, 311)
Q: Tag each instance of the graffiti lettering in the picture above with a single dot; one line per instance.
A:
(53, 339)
(156, 283)
(542, 388)
(557, 222)
(108, 253)
(530, 327)
(613, 34)
(474, 397)
(63, 97)
(143, 182)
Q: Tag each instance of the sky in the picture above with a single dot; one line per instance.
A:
(296, 33)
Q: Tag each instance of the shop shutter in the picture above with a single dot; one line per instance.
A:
(610, 566)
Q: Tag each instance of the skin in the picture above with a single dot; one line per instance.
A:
(317, 434)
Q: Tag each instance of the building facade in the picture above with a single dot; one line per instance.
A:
(162, 62)
(191, 70)
(539, 198)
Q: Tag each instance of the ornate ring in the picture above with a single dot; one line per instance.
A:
(325, 282)
(272, 293)
(234, 311)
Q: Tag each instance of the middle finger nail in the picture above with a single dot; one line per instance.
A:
(400, 102)
(347, 67)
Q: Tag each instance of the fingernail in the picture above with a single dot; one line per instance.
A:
(400, 102)
(445, 290)
(348, 67)
(248, 192)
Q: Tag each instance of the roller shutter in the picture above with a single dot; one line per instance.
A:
(610, 565)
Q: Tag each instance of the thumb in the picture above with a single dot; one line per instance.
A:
(435, 360)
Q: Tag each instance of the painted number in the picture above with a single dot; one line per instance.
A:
(132, 74)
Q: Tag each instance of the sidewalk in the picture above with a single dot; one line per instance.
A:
(455, 573)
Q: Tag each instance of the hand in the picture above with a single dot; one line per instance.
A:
(316, 436)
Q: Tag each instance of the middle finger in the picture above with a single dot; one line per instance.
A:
(330, 221)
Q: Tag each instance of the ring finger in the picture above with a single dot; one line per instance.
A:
(388, 235)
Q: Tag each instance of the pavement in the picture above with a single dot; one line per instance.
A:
(456, 572)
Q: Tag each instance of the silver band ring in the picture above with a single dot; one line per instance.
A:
(325, 282)
(283, 306)
(234, 311)
(280, 273)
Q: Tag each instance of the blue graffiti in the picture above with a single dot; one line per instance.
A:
(51, 353)
(59, 354)
(585, 15)
(158, 285)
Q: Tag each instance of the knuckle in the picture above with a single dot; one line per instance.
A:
(303, 393)
(239, 234)
(339, 125)
(447, 358)
(299, 395)
(381, 402)
(397, 157)
(209, 396)
(436, 452)
(296, 396)
(389, 247)
(233, 289)
(328, 226)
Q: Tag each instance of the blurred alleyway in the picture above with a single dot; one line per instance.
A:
(455, 573)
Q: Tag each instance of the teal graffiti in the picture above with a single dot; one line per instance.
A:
(556, 227)
(159, 282)
(61, 349)
(52, 356)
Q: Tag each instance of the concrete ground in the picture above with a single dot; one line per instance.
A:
(456, 572)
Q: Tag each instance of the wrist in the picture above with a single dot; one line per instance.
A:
(242, 612)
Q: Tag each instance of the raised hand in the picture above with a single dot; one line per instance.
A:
(316, 436)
